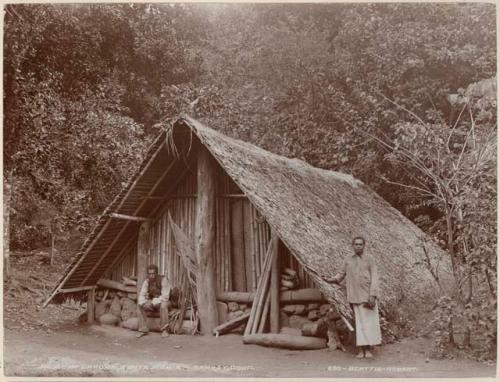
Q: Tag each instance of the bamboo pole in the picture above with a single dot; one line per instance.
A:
(262, 286)
(227, 252)
(129, 217)
(260, 306)
(255, 237)
(258, 242)
(216, 248)
(265, 313)
(252, 246)
(228, 246)
(221, 237)
(262, 242)
(221, 246)
(246, 248)
(227, 230)
(275, 287)
(250, 263)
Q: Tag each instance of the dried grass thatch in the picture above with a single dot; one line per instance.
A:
(316, 213)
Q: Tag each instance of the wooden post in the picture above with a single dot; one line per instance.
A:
(274, 290)
(142, 254)
(204, 241)
(238, 247)
(90, 306)
(7, 202)
(247, 241)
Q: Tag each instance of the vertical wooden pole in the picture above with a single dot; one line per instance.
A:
(204, 242)
(247, 241)
(90, 306)
(142, 254)
(274, 290)
(7, 202)
(238, 247)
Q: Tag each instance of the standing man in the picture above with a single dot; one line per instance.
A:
(362, 284)
(153, 297)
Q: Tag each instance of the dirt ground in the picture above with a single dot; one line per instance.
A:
(102, 351)
(50, 342)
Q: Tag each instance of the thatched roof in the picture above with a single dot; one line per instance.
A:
(316, 213)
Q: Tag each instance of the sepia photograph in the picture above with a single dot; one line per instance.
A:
(249, 190)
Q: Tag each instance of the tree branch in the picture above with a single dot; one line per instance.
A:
(401, 107)
(422, 190)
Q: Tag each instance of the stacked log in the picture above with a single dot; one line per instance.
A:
(289, 279)
(304, 313)
(116, 304)
(307, 295)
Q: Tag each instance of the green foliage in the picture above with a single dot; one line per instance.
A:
(82, 85)
(474, 324)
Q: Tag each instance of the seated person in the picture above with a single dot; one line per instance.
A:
(153, 297)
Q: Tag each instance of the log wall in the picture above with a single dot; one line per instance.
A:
(253, 231)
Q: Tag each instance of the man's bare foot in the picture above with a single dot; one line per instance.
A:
(361, 354)
(165, 334)
(140, 334)
(368, 354)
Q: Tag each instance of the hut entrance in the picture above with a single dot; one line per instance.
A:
(242, 238)
(241, 242)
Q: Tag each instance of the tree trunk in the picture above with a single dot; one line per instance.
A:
(451, 249)
(451, 336)
(142, 254)
(7, 198)
(454, 260)
(204, 242)
(52, 245)
(491, 285)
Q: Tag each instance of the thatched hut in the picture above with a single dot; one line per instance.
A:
(314, 213)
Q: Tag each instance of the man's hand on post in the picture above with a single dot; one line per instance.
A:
(372, 301)
(332, 280)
